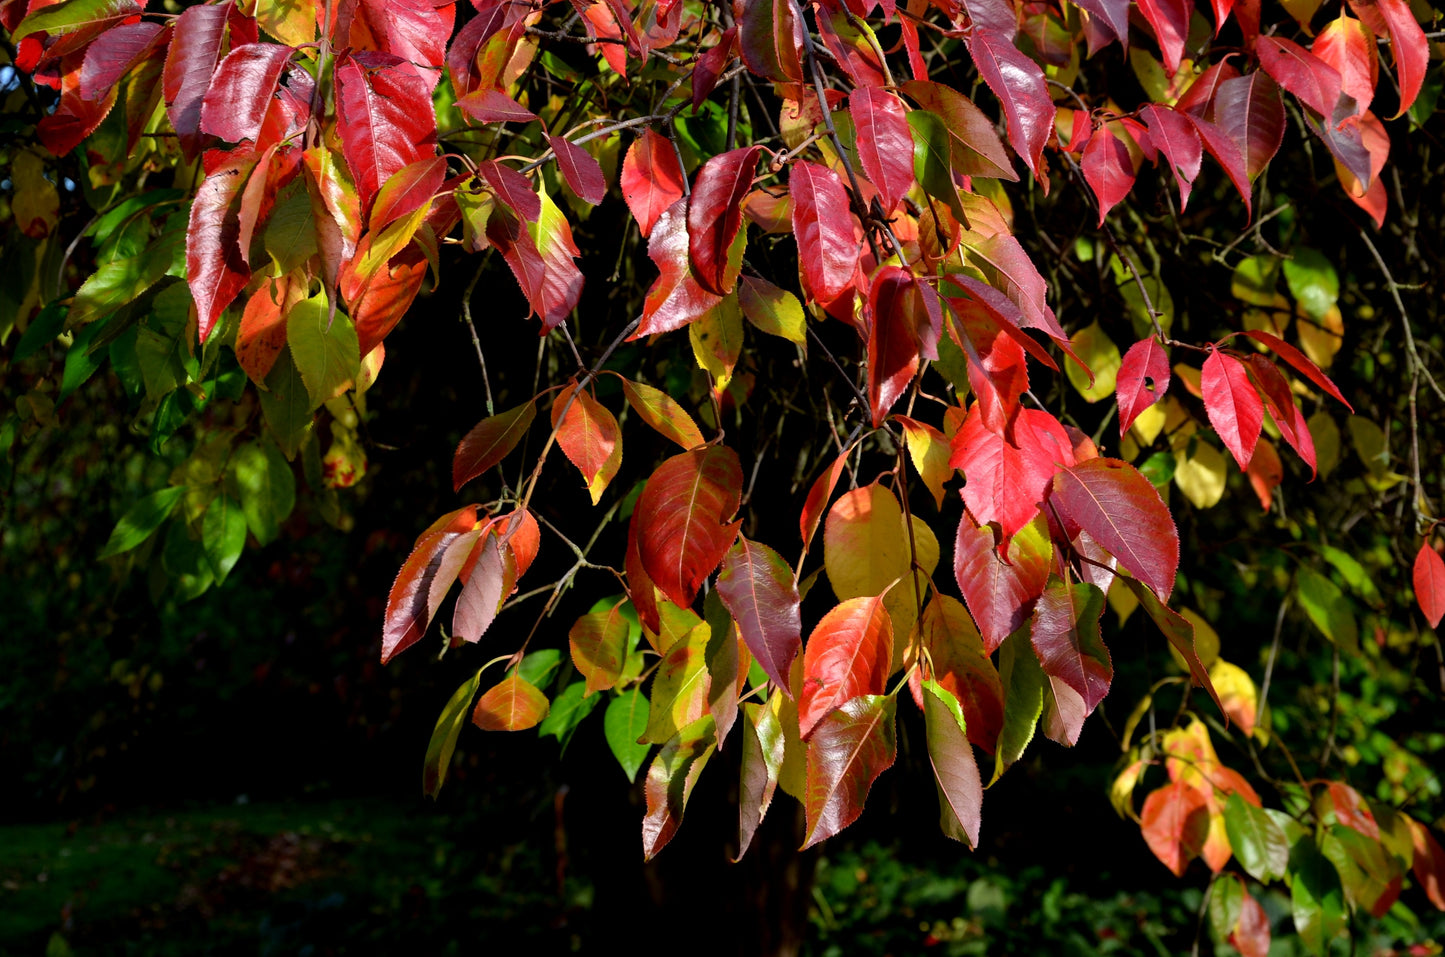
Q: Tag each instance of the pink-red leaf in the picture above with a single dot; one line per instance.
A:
(482, 592)
(1348, 45)
(1108, 169)
(959, 663)
(407, 190)
(384, 117)
(582, 173)
(1170, 21)
(428, 572)
(1007, 473)
(999, 594)
(513, 704)
(847, 752)
(827, 251)
(1315, 82)
(676, 298)
(1234, 407)
(190, 63)
(490, 441)
(1428, 864)
(1065, 636)
(847, 655)
(1279, 400)
(885, 142)
(1019, 84)
(652, 180)
(1407, 42)
(817, 500)
(1250, 935)
(683, 519)
(512, 188)
(215, 263)
(235, 104)
(494, 106)
(1122, 511)
(955, 772)
(112, 55)
(757, 588)
(1429, 581)
(1301, 362)
(1177, 139)
(906, 324)
(1227, 154)
(714, 214)
(770, 37)
(1250, 112)
(1352, 811)
(1142, 380)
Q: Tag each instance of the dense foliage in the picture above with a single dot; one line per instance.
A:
(230, 208)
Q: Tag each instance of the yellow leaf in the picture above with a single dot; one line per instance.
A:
(929, 450)
(1206, 640)
(717, 340)
(1236, 692)
(1101, 356)
(1327, 442)
(1322, 340)
(1123, 601)
(1121, 792)
(1200, 476)
(1149, 423)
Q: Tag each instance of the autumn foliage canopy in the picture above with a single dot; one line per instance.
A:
(833, 198)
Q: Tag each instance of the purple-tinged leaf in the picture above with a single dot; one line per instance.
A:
(848, 750)
(1019, 84)
(1249, 111)
(885, 142)
(236, 102)
(770, 36)
(757, 588)
(764, 745)
(216, 267)
(714, 214)
(999, 595)
(494, 106)
(424, 579)
(490, 441)
(1177, 139)
(955, 771)
(1122, 511)
(190, 63)
(1108, 168)
(481, 597)
(1065, 636)
(1142, 380)
(827, 251)
(582, 173)
(670, 780)
(113, 54)
(384, 117)
(1170, 22)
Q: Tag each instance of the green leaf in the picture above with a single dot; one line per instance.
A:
(80, 362)
(1259, 844)
(290, 237)
(141, 520)
(622, 724)
(266, 487)
(444, 736)
(1354, 574)
(772, 310)
(69, 16)
(324, 349)
(1101, 356)
(568, 710)
(1023, 687)
(1312, 281)
(1226, 901)
(1327, 607)
(680, 690)
(1255, 279)
(42, 330)
(184, 558)
(933, 161)
(537, 667)
(162, 347)
(223, 535)
(1316, 897)
(286, 405)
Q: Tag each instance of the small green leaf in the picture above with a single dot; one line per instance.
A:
(1255, 279)
(286, 405)
(622, 724)
(42, 330)
(1312, 281)
(266, 487)
(1226, 901)
(568, 710)
(141, 520)
(291, 232)
(1259, 844)
(162, 348)
(1327, 607)
(537, 667)
(324, 348)
(1316, 897)
(444, 736)
(933, 160)
(223, 535)
(1023, 684)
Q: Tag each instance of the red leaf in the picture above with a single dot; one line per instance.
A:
(429, 571)
(1170, 21)
(1248, 109)
(757, 588)
(378, 302)
(1227, 154)
(216, 267)
(1007, 473)
(1428, 864)
(1265, 473)
(541, 256)
(1250, 935)
(113, 54)
(1279, 400)
(1175, 822)
(190, 62)
(847, 752)
(1301, 362)
(960, 664)
(670, 780)
(885, 142)
(714, 214)
(384, 117)
(906, 323)
(235, 104)
(675, 298)
(262, 335)
(407, 190)
(639, 585)
(1000, 595)
(1065, 636)
(1429, 581)
(1352, 811)
(1198, 100)
(960, 789)
(848, 655)
(1407, 42)
(582, 173)
(514, 704)
(1176, 138)
(1312, 80)
(827, 251)
(494, 106)
(1113, 14)
(1108, 169)
(490, 441)
(1019, 84)
(652, 180)
(1234, 407)
(710, 66)
(484, 578)
(1122, 511)
(1142, 380)
(817, 500)
(1013, 279)
(512, 188)
(682, 535)
(1348, 45)
(770, 37)
(598, 642)
(587, 433)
